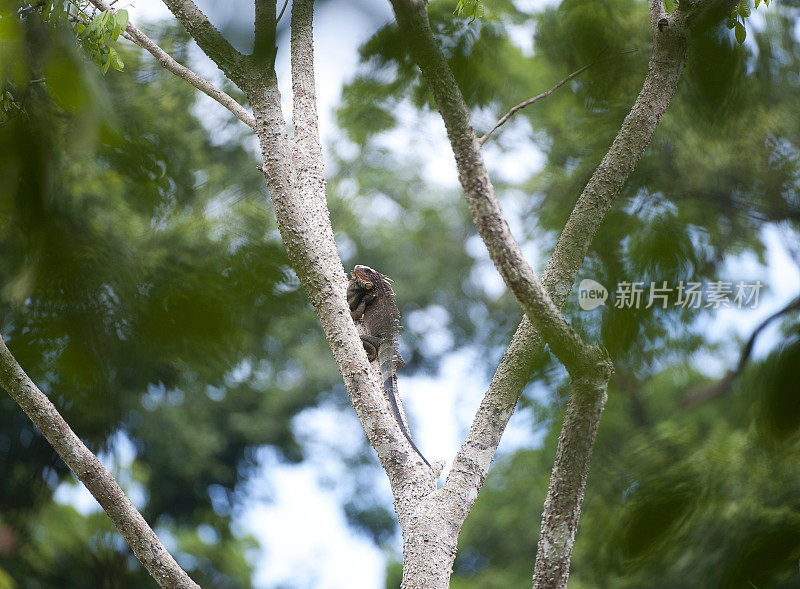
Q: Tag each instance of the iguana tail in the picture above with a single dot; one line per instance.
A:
(388, 375)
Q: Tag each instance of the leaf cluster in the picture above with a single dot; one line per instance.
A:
(97, 38)
(735, 20)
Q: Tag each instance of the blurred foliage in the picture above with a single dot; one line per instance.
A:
(72, 550)
(145, 290)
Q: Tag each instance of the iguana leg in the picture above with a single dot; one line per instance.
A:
(371, 345)
(357, 311)
(357, 300)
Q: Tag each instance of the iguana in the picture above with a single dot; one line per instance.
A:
(370, 295)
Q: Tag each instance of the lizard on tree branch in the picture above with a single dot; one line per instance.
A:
(370, 295)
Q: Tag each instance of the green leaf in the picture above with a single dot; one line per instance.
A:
(114, 59)
(120, 21)
(757, 3)
(670, 5)
(730, 22)
(92, 30)
(740, 33)
(743, 9)
(122, 18)
(471, 9)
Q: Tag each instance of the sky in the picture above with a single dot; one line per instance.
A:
(295, 510)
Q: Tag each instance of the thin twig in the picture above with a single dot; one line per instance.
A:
(521, 105)
(702, 393)
(280, 16)
(28, 91)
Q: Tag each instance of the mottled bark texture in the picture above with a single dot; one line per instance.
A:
(90, 471)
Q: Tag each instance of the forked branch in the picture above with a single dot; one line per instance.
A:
(169, 63)
(503, 249)
(228, 59)
(562, 508)
(588, 366)
(294, 173)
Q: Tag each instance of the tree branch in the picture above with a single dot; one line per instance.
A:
(90, 471)
(169, 63)
(311, 177)
(266, 23)
(228, 59)
(523, 104)
(663, 74)
(310, 184)
(294, 174)
(280, 16)
(562, 506)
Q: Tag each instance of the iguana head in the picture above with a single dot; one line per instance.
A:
(368, 278)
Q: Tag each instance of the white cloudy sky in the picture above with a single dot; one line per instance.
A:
(294, 511)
